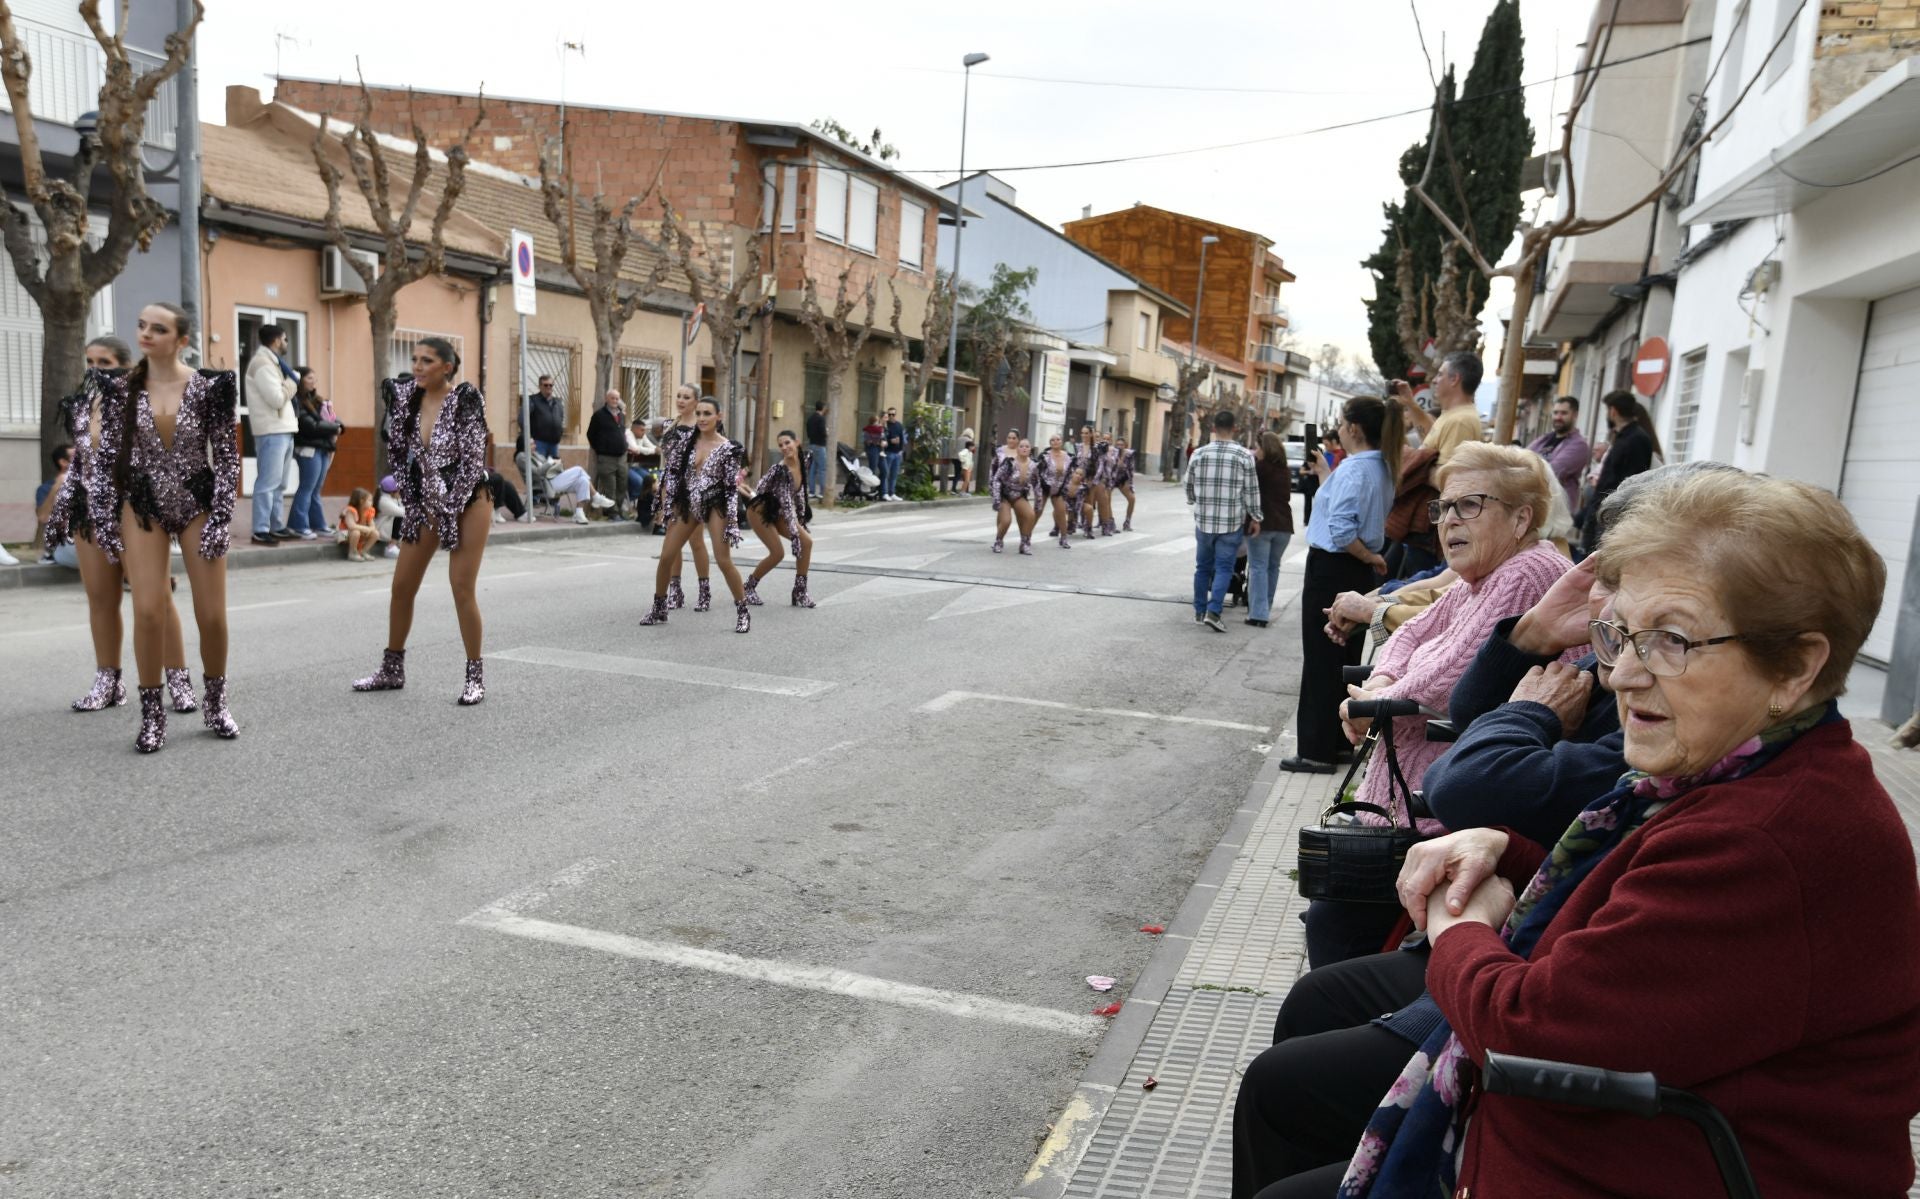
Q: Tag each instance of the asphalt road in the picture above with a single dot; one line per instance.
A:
(675, 912)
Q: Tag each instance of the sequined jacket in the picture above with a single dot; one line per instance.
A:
(1119, 467)
(439, 472)
(783, 503)
(1006, 483)
(199, 472)
(76, 421)
(1053, 481)
(697, 492)
(667, 483)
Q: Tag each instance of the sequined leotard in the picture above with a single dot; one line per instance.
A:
(1054, 479)
(783, 504)
(68, 518)
(168, 485)
(444, 471)
(1009, 484)
(696, 491)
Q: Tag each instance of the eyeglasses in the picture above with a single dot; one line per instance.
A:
(1468, 506)
(1664, 654)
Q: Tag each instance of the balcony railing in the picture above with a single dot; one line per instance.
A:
(1271, 355)
(68, 70)
(1269, 308)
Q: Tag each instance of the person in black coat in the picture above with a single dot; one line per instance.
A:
(1634, 447)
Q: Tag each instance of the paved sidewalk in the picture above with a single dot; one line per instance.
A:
(1207, 1002)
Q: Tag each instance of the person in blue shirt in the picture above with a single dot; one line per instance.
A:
(1346, 539)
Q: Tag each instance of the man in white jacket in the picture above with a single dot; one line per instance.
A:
(270, 414)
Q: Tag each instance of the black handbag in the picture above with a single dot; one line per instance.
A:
(1354, 862)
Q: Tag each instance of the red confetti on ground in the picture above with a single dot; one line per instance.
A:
(1155, 929)
(1112, 1009)
(1151, 1083)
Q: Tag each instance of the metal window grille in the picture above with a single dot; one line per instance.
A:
(640, 386)
(400, 348)
(1686, 412)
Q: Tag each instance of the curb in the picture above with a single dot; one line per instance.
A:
(1059, 1156)
(35, 575)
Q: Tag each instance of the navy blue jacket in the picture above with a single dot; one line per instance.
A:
(1512, 767)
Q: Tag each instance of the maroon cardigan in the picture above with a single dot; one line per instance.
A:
(1757, 942)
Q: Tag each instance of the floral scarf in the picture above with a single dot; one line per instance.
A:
(1411, 1148)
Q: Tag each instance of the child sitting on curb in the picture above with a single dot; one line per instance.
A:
(357, 531)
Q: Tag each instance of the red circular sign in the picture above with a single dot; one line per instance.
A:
(1650, 366)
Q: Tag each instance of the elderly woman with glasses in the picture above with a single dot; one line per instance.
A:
(1494, 502)
(1735, 915)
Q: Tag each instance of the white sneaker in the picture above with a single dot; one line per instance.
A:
(499, 516)
(392, 550)
(580, 516)
(601, 502)
(7, 559)
(526, 518)
(309, 535)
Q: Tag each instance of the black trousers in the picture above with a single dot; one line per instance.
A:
(1317, 722)
(505, 494)
(1304, 1103)
(1338, 930)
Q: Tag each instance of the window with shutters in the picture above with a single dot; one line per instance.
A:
(913, 233)
(1686, 411)
(782, 189)
(863, 215)
(830, 203)
(21, 339)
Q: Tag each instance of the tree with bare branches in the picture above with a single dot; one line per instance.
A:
(1189, 374)
(1537, 239)
(64, 274)
(611, 300)
(731, 289)
(400, 264)
(839, 341)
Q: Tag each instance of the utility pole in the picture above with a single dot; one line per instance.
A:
(186, 144)
(960, 226)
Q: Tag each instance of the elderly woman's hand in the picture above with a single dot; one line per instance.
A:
(1561, 687)
(1446, 870)
(1489, 904)
(1352, 608)
(1559, 621)
(1357, 726)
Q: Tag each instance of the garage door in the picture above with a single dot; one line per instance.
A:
(1881, 481)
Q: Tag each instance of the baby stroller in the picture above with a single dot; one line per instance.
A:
(862, 483)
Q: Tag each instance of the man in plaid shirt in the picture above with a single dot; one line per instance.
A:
(1225, 494)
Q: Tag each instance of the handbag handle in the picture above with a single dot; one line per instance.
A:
(1380, 731)
(1355, 805)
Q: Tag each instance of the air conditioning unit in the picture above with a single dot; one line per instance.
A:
(339, 279)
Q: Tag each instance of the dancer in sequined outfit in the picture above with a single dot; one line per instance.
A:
(1106, 462)
(1058, 471)
(101, 579)
(702, 492)
(779, 510)
(684, 399)
(1005, 449)
(1014, 485)
(1120, 478)
(167, 465)
(437, 443)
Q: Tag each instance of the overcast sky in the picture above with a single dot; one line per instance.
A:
(867, 63)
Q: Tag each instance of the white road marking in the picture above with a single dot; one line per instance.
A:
(1176, 546)
(942, 703)
(671, 672)
(528, 549)
(990, 599)
(791, 974)
(530, 897)
(491, 577)
(286, 603)
(828, 556)
(883, 589)
(912, 524)
(761, 783)
(910, 562)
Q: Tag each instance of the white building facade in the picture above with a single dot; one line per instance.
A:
(1796, 322)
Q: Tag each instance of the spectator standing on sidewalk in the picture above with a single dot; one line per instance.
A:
(872, 435)
(1565, 450)
(547, 413)
(271, 385)
(1634, 450)
(895, 445)
(607, 437)
(1267, 547)
(1224, 490)
(313, 445)
(817, 452)
(1344, 539)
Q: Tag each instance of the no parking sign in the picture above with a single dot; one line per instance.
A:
(521, 252)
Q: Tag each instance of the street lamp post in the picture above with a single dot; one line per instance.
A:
(1193, 355)
(959, 227)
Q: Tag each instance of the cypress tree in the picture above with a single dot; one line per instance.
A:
(1490, 137)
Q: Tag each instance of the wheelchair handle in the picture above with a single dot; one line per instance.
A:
(1560, 1082)
(1353, 676)
(1369, 709)
(1442, 730)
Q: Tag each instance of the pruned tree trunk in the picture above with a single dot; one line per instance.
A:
(839, 342)
(63, 275)
(731, 299)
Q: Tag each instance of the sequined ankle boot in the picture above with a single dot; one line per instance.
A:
(1126, 526)
(1026, 546)
(658, 613)
(153, 720)
(391, 676)
(107, 691)
(741, 620)
(476, 686)
(180, 688)
(1064, 543)
(704, 602)
(753, 591)
(676, 598)
(217, 717)
(800, 597)
(999, 543)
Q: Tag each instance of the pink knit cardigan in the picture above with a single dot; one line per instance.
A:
(1426, 656)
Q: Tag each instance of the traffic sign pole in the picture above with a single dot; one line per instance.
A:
(525, 296)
